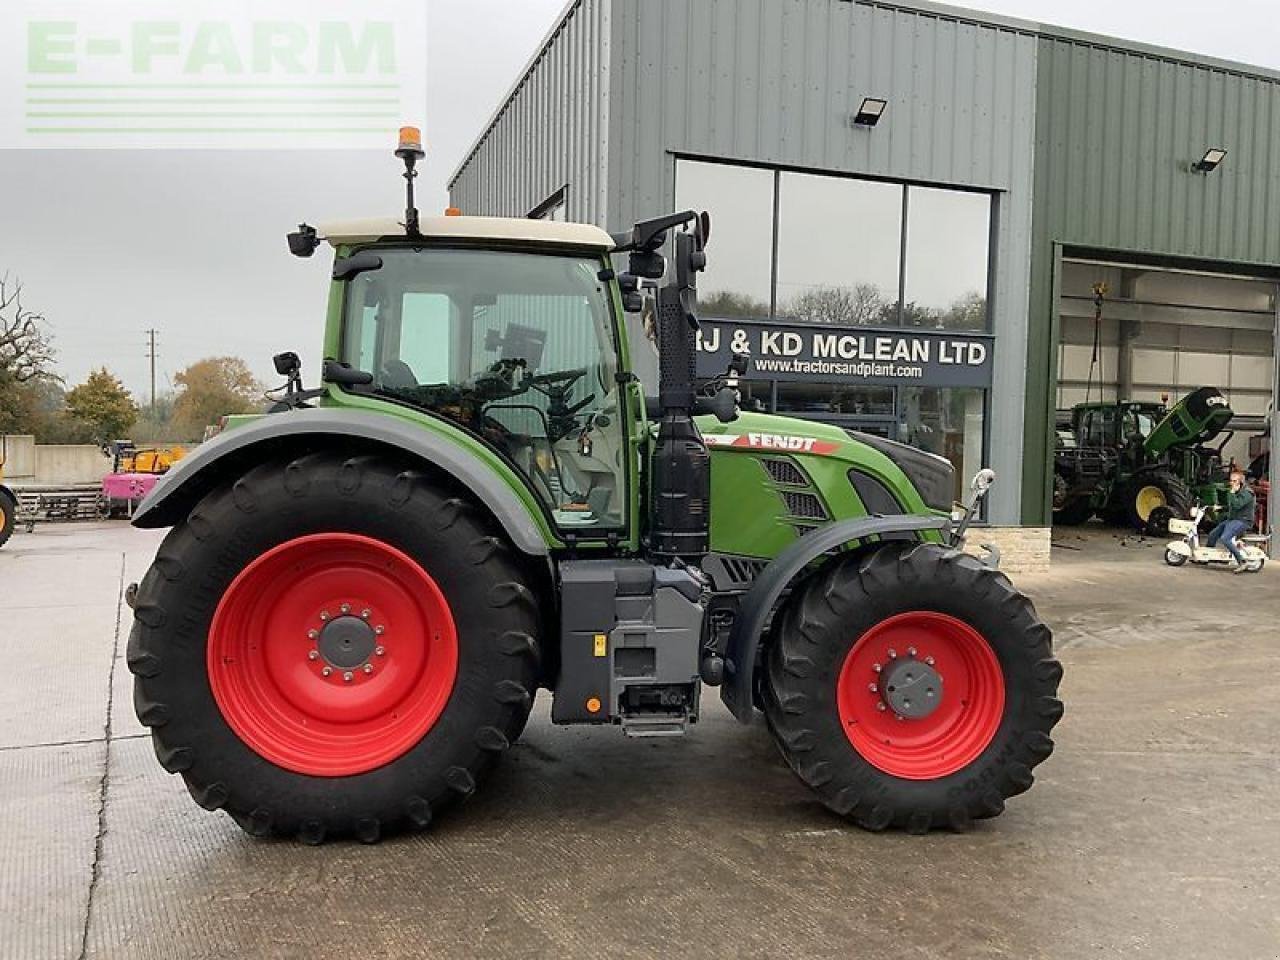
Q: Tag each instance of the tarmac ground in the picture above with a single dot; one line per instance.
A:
(1151, 832)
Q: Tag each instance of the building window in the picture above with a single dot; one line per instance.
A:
(833, 401)
(839, 250)
(825, 249)
(947, 421)
(948, 259)
(737, 282)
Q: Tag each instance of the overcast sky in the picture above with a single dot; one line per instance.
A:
(110, 243)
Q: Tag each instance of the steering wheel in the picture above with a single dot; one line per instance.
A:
(557, 383)
(556, 387)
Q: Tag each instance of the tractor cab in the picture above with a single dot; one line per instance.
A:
(1122, 427)
(510, 334)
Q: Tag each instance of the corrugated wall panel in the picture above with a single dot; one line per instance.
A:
(1117, 131)
(777, 81)
(552, 131)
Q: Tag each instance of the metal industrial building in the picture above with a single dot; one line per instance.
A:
(1007, 168)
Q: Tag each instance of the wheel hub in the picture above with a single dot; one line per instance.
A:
(346, 642)
(911, 688)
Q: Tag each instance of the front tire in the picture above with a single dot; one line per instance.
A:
(333, 647)
(941, 627)
(1174, 559)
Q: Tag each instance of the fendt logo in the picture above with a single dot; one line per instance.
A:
(149, 73)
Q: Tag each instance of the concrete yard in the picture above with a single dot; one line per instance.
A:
(1152, 831)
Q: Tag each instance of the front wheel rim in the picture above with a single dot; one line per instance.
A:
(969, 688)
(332, 654)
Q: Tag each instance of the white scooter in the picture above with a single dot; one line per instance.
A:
(1179, 552)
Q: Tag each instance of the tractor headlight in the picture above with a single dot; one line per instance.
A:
(932, 476)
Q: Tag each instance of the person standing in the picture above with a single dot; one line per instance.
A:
(1239, 519)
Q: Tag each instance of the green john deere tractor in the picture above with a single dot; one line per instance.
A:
(1140, 464)
(363, 591)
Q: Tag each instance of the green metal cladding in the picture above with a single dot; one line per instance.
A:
(1117, 130)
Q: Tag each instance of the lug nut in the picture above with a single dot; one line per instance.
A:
(379, 651)
(872, 687)
(364, 614)
(313, 654)
(312, 634)
(880, 707)
(326, 671)
(929, 661)
(345, 608)
(911, 652)
(379, 629)
(893, 654)
(324, 614)
(876, 668)
(368, 668)
(347, 675)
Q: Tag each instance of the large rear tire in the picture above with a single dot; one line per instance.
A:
(1153, 498)
(864, 636)
(333, 647)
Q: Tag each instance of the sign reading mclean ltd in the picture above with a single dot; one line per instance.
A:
(810, 352)
(204, 73)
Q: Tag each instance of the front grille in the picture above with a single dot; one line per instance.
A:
(785, 471)
(743, 569)
(805, 506)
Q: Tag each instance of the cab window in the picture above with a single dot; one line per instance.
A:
(518, 349)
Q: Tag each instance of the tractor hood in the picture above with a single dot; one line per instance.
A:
(776, 478)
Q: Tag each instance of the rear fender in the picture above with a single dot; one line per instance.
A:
(235, 451)
(767, 590)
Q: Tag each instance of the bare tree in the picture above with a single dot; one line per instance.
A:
(849, 306)
(25, 348)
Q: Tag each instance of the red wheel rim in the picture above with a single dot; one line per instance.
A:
(969, 689)
(332, 654)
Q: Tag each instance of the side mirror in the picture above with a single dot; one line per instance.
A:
(725, 404)
(649, 264)
(982, 482)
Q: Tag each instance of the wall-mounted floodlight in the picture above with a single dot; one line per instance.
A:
(1212, 158)
(870, 112)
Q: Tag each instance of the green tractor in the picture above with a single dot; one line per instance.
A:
(1141, 464)
(363, 591)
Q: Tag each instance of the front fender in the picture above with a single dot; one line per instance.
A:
(767, 590)
(237, 450)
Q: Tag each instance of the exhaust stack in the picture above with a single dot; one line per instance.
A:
(682, 466)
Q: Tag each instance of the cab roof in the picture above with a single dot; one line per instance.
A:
(550, 232)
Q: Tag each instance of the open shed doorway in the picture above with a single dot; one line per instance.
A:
(1135, 340)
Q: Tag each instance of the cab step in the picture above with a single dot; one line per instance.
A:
(661, 726)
